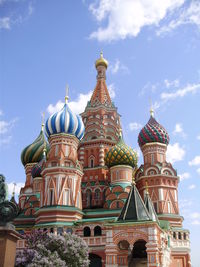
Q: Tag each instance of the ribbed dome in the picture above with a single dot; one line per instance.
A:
(65, 121)
(121, 154)
(34, 152)
(37, 168)
(153, 132)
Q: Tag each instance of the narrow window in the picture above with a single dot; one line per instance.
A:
(155, 204)
(152, 158)
(91, 163)
(66, 197)
(86, 231)
(169, 207)
(97, 231)
(51, 197)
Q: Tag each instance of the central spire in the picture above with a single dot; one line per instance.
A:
(101, 95)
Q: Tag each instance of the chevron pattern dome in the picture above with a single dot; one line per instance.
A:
(34, 152)
(121, 154)
(65, 121)
(153, 132)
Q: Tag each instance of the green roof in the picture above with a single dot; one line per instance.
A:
(134, 209)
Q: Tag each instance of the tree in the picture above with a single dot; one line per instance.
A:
(48, 250)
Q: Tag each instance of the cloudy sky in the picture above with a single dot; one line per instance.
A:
(153, 51)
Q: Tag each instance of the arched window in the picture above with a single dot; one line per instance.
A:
(97, 194)
(185, 236)
(86, 231)
(88, 198)
(91, 162)
(59, 230)
(97, 230)
(174, 235)
(51, 197)
(179, 235)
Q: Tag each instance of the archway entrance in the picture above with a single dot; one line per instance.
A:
(139, 255)
(95, 260)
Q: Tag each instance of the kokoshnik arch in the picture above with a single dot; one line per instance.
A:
(84, 179)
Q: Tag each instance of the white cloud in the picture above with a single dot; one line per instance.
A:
(5, 130)
(184, 176)
(195, 161)
(1, 112)
(175, 153)
(198, 137)
(195, 222)
(111, 90)
(174, 83)
(190, 88)
(198, 171)
(118, 66)
(195, 215)
(16, 13)
(5, 23)
(187, 15)
(5, 140)
(18, 186)
(6, 126)
(178, 128)
(76, 106)
(126, 18)
(134, 126)
(192, 186)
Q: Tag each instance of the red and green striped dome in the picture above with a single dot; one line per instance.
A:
(121, 154)
(34, 152)
(153, 132)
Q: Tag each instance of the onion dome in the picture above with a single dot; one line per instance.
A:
(37, 168)
(65, 121)
(153, 132)
(121, 154)
(34, 152)
(101, 61)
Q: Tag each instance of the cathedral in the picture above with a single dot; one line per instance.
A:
(82, 178)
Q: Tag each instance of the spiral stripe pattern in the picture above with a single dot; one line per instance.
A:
(153, 132)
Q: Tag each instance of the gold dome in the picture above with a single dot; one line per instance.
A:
(101, 61)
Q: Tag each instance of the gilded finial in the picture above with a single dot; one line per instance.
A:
(44, 150)
(13, 193)
(101, 61)
(151, 109)
(147, 189)
(67, 94)
(43, 116)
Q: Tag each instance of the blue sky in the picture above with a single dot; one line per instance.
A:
(153, 53)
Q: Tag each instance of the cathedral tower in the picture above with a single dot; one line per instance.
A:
(62, 172)
(102, 124)
(161, 177)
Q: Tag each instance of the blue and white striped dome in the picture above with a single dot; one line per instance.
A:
(65, 121)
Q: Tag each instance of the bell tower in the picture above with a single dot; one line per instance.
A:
(102, 127)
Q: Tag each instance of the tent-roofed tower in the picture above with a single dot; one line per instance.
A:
(102, 127)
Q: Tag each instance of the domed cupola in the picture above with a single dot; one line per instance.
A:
(34, 152)
(121, 154)
(38, 167)
(153, 132)
(65, 121)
